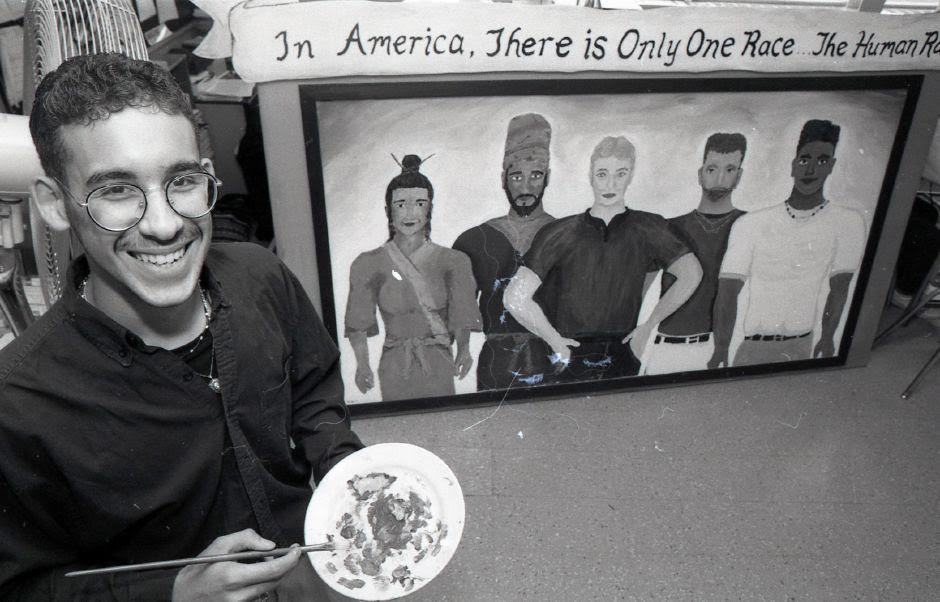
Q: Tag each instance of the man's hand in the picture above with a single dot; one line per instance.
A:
(719, 358)
(365, 380)
(224, 581)
(824, 348)
(561, 353)
(638, 339)
(462, 363)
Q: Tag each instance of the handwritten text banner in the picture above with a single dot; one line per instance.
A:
(331, 39)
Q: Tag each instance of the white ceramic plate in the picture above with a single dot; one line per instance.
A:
(395, 513)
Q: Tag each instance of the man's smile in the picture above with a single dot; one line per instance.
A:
(160, 257)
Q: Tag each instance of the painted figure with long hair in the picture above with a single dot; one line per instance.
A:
(425, 293)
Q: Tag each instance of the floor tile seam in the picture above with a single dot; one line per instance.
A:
(757, 556)
(649, 451)
(929, 505)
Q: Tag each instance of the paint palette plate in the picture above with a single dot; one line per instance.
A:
(395, 513)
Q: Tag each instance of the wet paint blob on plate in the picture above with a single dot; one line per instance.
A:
(395, 513)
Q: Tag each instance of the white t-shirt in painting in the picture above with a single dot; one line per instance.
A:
(787, 260)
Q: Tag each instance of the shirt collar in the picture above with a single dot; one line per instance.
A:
(598, 224)
(111, 338)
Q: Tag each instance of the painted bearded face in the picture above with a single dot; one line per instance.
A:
(720, 174)
(524, 182)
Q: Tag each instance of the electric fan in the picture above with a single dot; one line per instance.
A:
(55, 30)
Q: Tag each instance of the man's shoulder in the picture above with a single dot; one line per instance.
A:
(759, 216)
(840, 212)
(845, 221)
(241, 256)
(479, 234)
(681, 219)
(471, 236)
(42, 337)
(247, 269)
(371, 257)
(568, 222)
(448, 256)
(645, 218)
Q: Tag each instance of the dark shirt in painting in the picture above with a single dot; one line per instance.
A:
(494, 261)
(114, 452)
(596, 270)
(707, 236)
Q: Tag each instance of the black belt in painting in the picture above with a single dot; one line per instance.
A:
(695, 338)
(776, 337)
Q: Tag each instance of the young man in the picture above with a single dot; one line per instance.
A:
(596, 263)
(684, 340)
(177, 398)
(510, 355)
(788, 253)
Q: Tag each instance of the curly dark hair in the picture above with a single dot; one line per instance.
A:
(87, 88)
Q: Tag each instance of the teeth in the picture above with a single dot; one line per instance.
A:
(165, 259)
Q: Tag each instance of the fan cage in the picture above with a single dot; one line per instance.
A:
(56, 30)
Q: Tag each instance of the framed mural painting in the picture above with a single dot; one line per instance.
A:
(490, 239)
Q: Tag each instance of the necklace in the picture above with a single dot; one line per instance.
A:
(803, 213)
(214, 383)
(202, 335)
(713, 224)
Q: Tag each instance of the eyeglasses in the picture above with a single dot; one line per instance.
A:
(120, 207)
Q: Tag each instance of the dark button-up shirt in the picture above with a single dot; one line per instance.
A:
(112, 452)
(597, 271)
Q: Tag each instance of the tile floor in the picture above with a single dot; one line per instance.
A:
(820, 485)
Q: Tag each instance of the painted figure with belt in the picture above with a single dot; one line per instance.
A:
(788, 254)
(511, 355)
(425, 293)
(597, 264)
(684, 340)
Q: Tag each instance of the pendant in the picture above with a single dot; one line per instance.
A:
(215, 385)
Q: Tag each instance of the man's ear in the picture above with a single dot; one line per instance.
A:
(207, 165)
(49, 199)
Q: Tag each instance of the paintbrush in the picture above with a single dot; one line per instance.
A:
(235, 556)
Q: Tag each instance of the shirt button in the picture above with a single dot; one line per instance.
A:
(188, 376)
(122, 353)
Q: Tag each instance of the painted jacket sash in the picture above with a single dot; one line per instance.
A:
(414, 346)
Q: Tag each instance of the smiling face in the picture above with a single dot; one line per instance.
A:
(410, 209)
(610, 177)
(720, 174)
(157, 262)
(812, 165)
(524, 182)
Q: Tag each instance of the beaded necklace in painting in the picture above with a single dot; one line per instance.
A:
(803, 214)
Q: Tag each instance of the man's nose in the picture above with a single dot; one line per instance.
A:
(160, 221)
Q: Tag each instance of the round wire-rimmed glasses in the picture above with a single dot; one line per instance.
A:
(120, 207)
